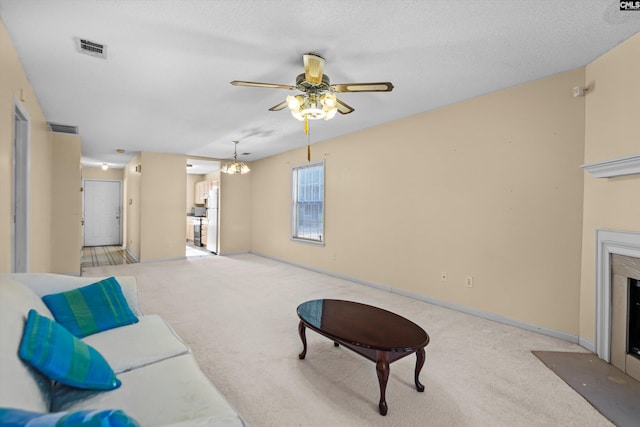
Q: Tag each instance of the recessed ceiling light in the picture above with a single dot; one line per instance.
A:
(245, 154)
(120, 150)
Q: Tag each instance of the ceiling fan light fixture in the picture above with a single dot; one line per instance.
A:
(235, 167)
(328, 100)
(313, 106)
(293, 102)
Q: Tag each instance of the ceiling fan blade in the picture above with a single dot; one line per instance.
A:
(344, 108)
(258, 84)
(279, 106)
(363, 87)
(313, 68)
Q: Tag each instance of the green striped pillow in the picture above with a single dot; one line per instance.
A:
(91, 309)
(11, 417)
(60, 356)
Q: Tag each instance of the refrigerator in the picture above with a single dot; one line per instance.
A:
(212, 220)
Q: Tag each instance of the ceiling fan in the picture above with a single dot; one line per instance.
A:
(318, 100)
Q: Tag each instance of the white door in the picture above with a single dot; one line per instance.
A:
(102, 213)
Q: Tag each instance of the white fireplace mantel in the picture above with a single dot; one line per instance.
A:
(628, 165)
(609, 242)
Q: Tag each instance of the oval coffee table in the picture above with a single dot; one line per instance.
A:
(379, 335)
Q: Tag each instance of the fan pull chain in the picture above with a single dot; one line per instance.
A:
(306, 130)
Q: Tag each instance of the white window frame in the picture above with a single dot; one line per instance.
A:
(294, 212)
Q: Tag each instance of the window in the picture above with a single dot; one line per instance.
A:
(307, 201)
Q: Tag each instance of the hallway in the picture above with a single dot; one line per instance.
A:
(94, 256)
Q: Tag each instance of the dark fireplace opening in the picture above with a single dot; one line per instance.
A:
(634, 318)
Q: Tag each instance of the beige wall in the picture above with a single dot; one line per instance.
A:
(15, 86)
(489, 188)
(132, 184)
(235, 213)
(111, 174)
(611, 131)
(162, 201)
(66, 212)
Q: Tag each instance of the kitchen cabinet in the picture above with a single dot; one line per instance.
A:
(202, 191)
(199, 192)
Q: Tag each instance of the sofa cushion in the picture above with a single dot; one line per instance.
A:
(50, 283)
(10, 417)
(56, 353)
(133, 346)
(90, 309)
(21, 386)
(178, 383)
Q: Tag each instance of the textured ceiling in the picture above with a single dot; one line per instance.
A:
(164, 85)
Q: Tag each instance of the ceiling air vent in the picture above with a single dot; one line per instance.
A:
(92, 48)
(57, 127)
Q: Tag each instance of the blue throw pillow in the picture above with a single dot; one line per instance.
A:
(60, 356)
(91, 309)
(10, 417)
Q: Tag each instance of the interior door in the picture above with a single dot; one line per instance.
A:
(102, 212)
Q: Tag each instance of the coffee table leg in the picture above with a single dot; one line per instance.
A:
(382, 367)
(420, 356)
(303, 337)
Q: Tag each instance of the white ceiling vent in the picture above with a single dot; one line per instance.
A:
(92, 48)
(57, 127)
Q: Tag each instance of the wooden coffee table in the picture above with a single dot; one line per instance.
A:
(379, 335)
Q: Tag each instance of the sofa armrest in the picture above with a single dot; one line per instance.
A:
(50, 283)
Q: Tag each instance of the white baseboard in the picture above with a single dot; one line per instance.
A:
(588, 345)
(131, 254)
(468, 310)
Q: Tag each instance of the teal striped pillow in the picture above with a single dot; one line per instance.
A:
(91, 309)
(60, 356)
(10, 417)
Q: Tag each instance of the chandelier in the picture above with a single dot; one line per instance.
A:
(235, 167)
(313, 106)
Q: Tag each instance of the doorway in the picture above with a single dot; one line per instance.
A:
(20, 191)
(102, 210)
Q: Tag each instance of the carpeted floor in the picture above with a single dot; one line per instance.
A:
(612, 392)
(238, 315)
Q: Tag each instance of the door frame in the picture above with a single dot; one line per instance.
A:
(20, 220)
(84, 180)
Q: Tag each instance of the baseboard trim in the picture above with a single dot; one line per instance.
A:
(574, 339)
(131, 254)
(588, 345)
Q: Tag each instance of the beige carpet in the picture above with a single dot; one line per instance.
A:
(238, 314)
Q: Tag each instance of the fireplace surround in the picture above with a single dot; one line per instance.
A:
(617, 266)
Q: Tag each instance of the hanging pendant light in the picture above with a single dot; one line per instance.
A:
(235, 167)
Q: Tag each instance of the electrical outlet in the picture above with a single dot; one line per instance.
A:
(468, 281)
(443, 276)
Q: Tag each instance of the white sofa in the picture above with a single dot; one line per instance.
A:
(162, 384)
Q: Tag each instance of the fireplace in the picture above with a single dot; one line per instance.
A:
(633, 329)
(617, 309)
